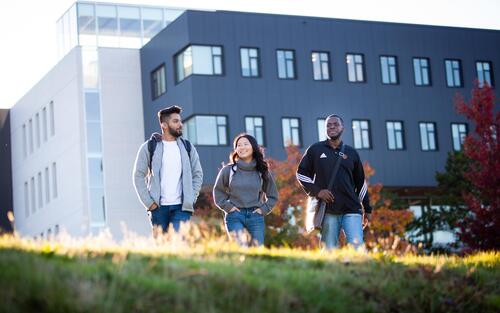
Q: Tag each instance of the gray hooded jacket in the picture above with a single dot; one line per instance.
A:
(147, 184)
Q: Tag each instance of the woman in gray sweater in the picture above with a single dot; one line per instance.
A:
(245, 191)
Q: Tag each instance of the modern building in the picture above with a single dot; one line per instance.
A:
(277, 77)
(273, 76)
(76, 132)
(5, 168)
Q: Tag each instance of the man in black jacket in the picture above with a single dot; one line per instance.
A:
(348, 206)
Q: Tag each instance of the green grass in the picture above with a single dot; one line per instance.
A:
(97, 276)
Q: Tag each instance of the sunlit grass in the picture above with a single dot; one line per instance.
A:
(195, 242)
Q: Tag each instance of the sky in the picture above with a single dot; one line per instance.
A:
(28, 28)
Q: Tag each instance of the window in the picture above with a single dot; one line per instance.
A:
(355, 68)
(428, 136)
(47, 185)
(54, 180)
(458, 133)
(291, 131)
(93, 122)
(321, 129)
(254, 125)
(286, 64)
(158, 83)
(30, 135)
(37, 130)
(207, 130)
(40, 191)
(453, 73)
(200, 60)
(152, 20)
(484, 73)
(44, 124)
(361, 134)
(25, 143)
(395, 135)
(33, 195)
(26, 200)
(388, 66)
(321, 65)
(249, 62)
(52, 125)
(421, 71)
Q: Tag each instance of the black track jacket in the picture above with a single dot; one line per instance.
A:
(349, 187)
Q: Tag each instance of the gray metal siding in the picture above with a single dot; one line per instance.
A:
(236, 96)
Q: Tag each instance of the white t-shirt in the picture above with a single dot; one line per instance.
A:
(171, 174)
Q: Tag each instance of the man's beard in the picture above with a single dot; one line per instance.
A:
(335, 137)
(175, 133)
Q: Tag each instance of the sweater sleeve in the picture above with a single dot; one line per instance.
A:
(221, 192)
(271, 195)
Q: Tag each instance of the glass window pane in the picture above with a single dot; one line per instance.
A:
(202, 60)
(289, 69)
(151, 21)
(217, 65)
(130, 24)
(258, 121)
(295, 136)
(96, 196)
(94, 137)
(106, 20)
(359, 73)
(350, 68)
(86, 19)
(281, 64)
(294, 122)
(95, 172)
(92, 106)
(222, 135)
(206, 130)
(321, 130)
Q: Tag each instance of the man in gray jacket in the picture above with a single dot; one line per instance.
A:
(167, 173)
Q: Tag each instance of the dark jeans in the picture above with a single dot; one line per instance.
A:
(165, 215)
(237, 222)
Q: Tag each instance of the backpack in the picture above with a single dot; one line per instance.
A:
(155, 137)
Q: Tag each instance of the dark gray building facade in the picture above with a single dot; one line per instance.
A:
(278, 76)
(6, 203)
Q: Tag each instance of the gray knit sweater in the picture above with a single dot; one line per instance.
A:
(245, 189)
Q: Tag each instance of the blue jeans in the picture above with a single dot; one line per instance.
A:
(165, 215)
(350, 223)
(237, 222)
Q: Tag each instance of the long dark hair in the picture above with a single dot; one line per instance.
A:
(261, 165)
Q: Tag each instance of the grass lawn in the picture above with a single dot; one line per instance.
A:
(145, 276)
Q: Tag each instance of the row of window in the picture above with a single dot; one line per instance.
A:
(43, 126)
(212, 130)
(208, 60)
(40, 190)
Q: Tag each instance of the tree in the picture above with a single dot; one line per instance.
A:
(285, 224)
(480, 229)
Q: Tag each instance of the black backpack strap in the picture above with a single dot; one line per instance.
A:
(152, 141)
(187, 145)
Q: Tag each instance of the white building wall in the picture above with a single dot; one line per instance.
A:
(123, 133)
(62, 87)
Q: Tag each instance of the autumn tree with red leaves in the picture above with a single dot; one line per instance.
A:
(480, 230)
